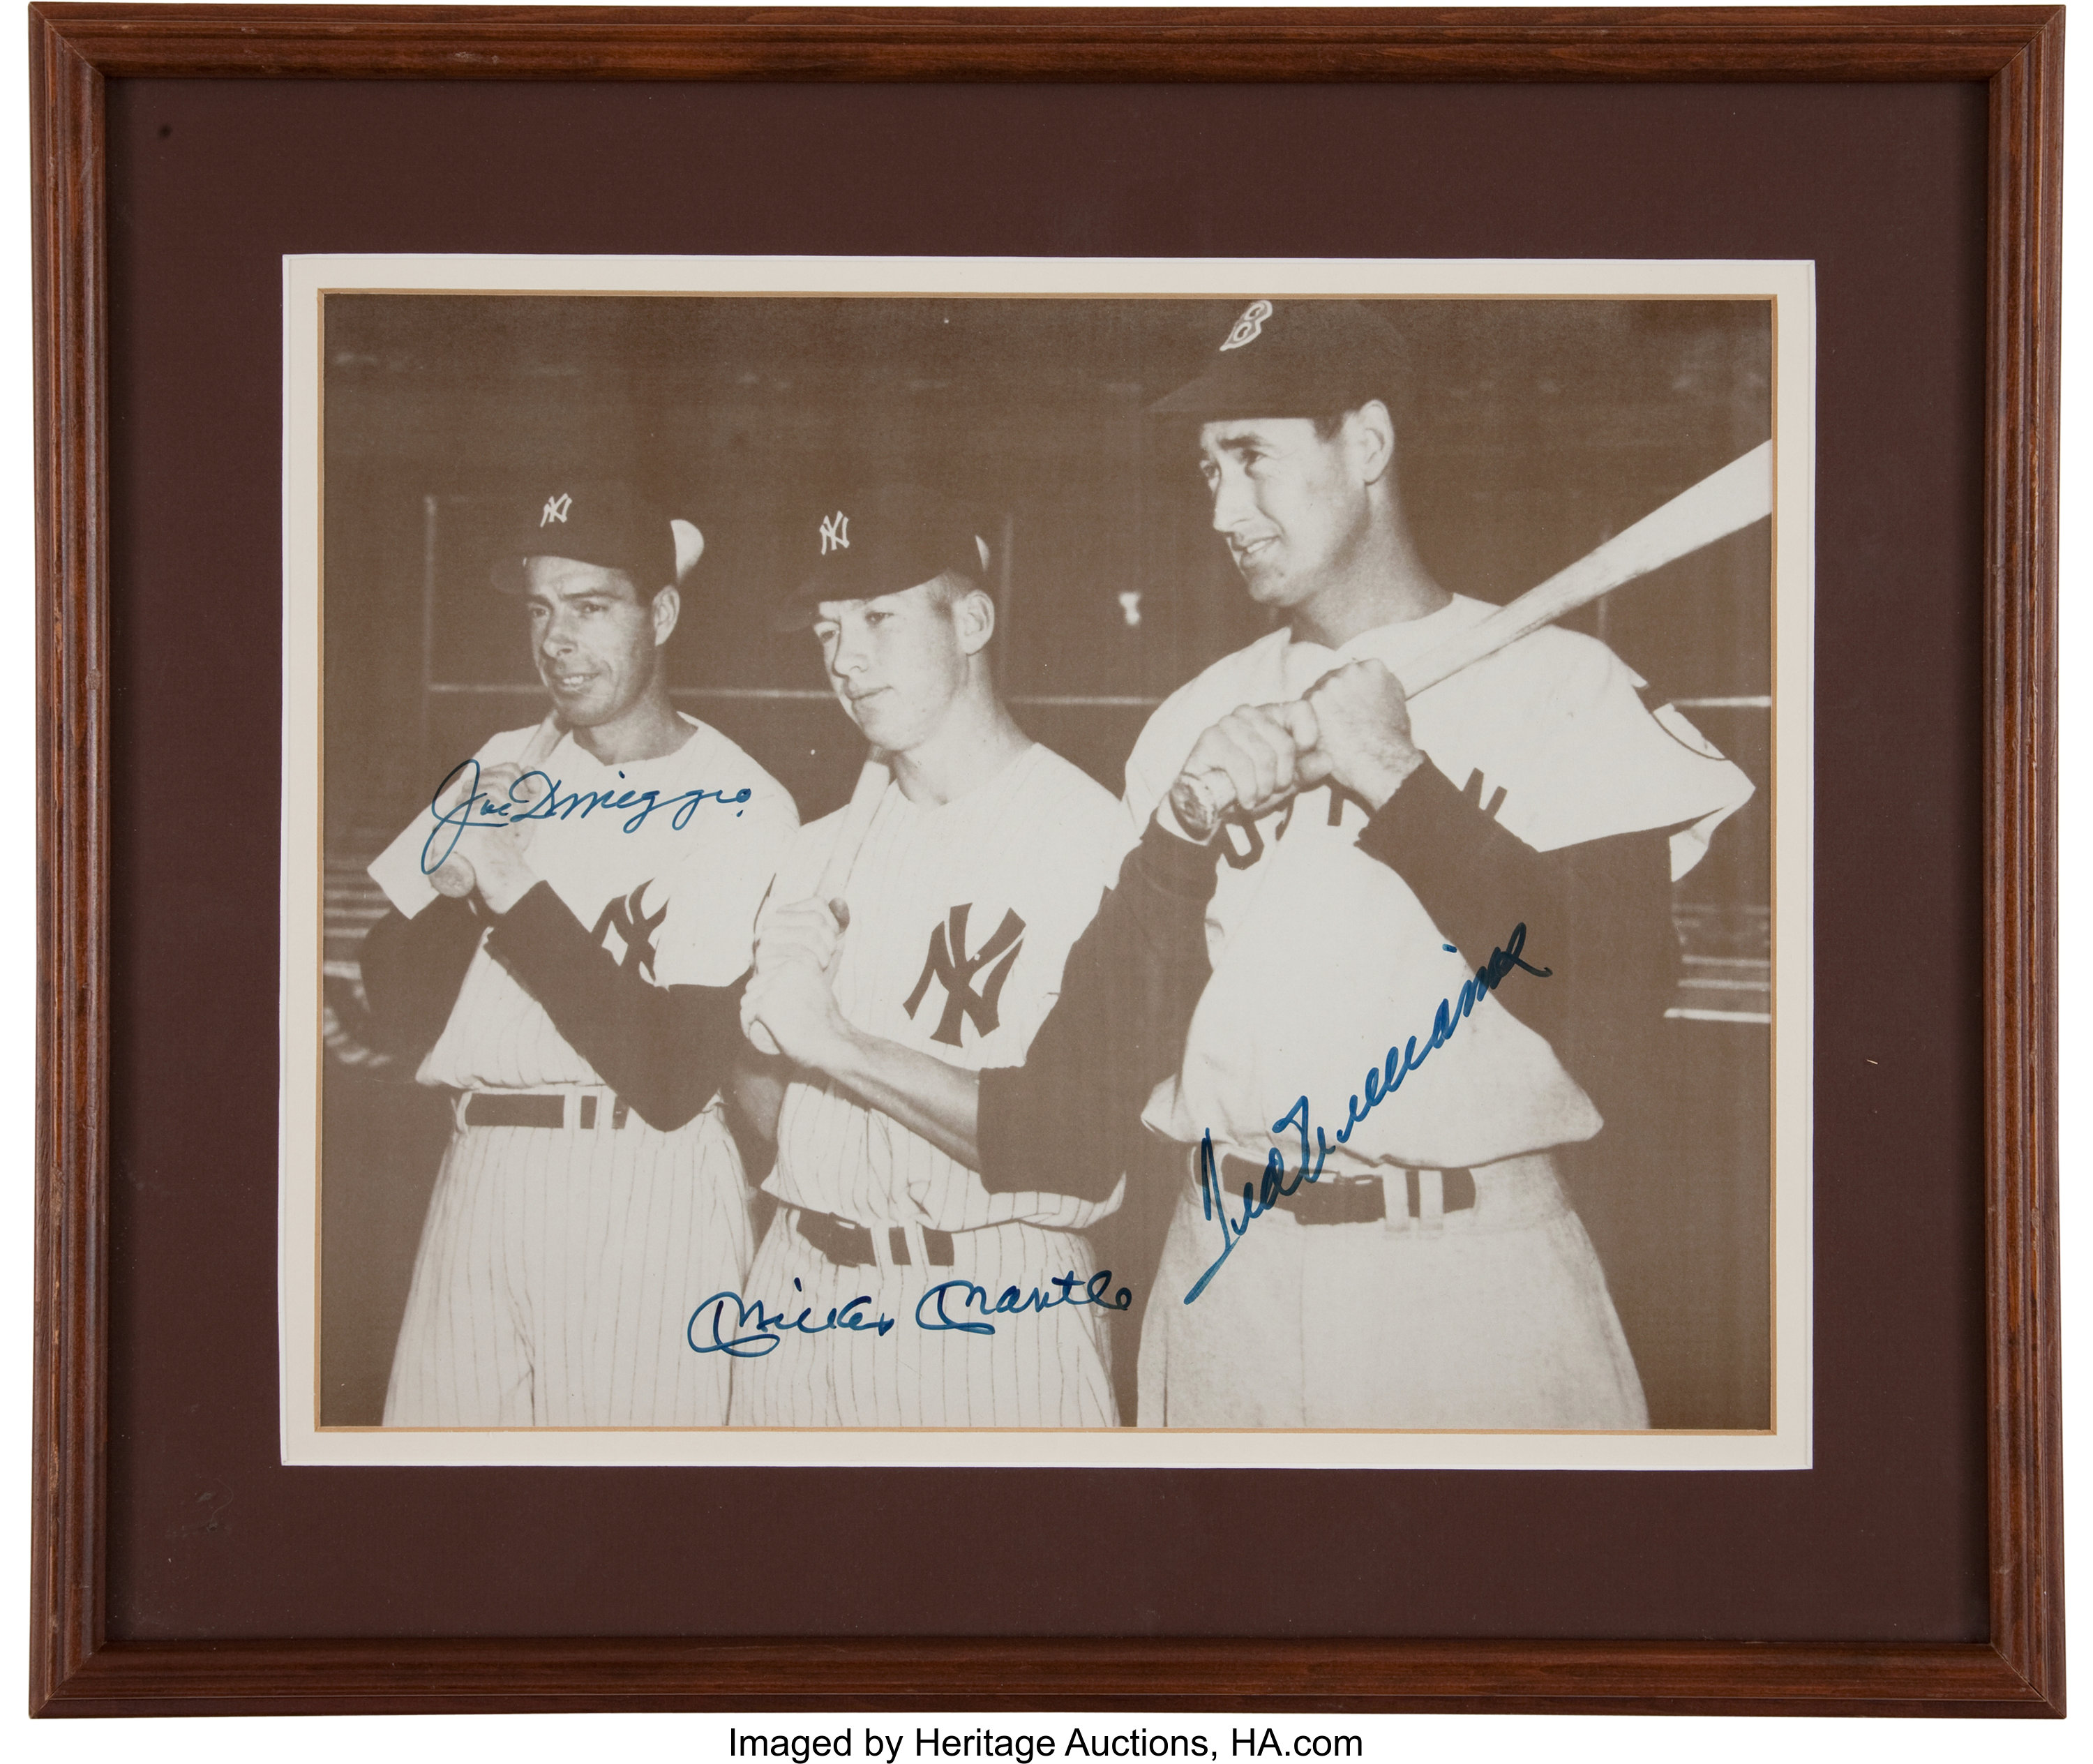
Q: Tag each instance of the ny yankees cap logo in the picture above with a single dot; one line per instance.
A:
(555, 509)
(1249, 327)
(835, 532)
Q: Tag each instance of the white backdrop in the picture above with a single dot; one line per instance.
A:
(527, 1739)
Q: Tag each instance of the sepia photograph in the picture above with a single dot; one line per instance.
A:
(1071, 862)
(1053, 796)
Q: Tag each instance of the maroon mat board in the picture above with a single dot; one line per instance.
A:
(1918, 1565)
(1883, 186)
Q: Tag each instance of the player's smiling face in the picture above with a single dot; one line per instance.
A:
(896, 662)
(598, 647)
(1288, 501)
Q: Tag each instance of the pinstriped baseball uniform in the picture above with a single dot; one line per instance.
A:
(557, 1265)
(961, 916)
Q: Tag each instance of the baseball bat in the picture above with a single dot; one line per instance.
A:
(454, 875)
(1720, 504)
(871, 782)
(1740, 493)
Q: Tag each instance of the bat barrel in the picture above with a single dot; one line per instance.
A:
(1723, 503)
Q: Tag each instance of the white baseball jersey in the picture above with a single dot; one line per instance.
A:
(1551, 737)
(961, 917)
(558, 1266)
(671, 886)
(1492, 1315)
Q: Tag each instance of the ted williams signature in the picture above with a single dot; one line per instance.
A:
(1382, 1081)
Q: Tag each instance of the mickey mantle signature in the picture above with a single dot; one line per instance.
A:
(962, 1305)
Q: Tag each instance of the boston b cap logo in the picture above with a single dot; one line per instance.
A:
(1249, 326)
(1295, 358)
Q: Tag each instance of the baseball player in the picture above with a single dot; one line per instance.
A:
(581, 997)
(1432, 929)
(986, 859)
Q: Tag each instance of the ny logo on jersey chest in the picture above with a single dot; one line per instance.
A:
(948, 964)
(626, 929)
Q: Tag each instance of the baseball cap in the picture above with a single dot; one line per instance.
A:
(883, 541)
(607, 523)
(1295, 358)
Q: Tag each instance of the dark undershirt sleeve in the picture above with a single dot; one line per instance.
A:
(1063, 1123)
(412, 971)
(1597, 915)
(665, 1050)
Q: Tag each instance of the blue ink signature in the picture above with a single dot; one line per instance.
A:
(772, 1326)
(755, 1331)
(524, 803)
(1010, 1303)
(1381, 1082)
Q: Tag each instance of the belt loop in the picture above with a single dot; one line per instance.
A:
(1431, 1200)
(882, 1249)
(1395, 1198)
(919, 1247)
(458, 1105)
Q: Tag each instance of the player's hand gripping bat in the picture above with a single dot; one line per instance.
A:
(1720, 504)
(864, 804)
(454, 875)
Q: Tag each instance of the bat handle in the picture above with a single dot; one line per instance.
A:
(758, 1035)
(872, 782)
(454, 878)
(1201, 799)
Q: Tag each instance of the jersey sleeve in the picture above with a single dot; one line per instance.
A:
(1597, 761)
(1596, 915)
(1096, 842)
(1251, 676)
(1065, 1120)
(1149, 771)
(664, 1049)
(1160, 751)
(412, 968)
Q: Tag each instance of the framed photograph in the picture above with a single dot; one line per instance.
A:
(954, 833)
(1646, 410)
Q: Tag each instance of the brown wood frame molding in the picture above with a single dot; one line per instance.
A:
(2019, 51)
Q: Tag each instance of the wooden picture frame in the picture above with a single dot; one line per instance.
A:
(76, 1669)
